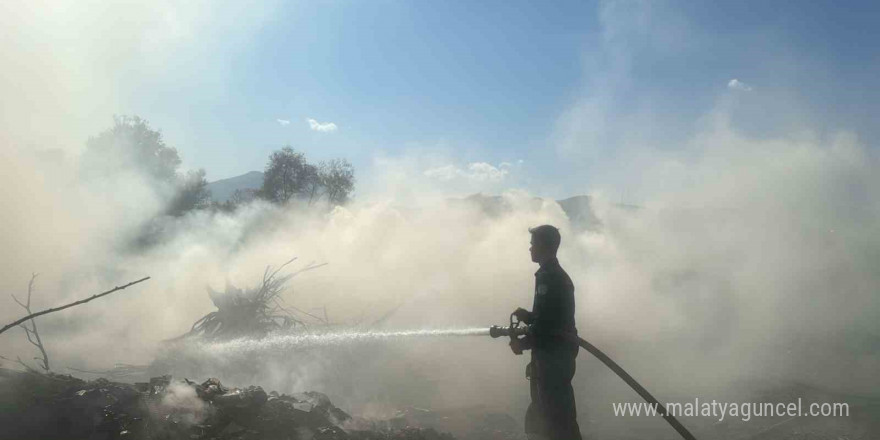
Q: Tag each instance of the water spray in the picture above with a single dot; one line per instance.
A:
(517, 329)
(282, 342)
(514, 330)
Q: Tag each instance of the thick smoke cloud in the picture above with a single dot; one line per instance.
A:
(729, 275)
(750, 259)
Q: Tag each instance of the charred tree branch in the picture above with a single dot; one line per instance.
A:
(76, 303)
(33, 335)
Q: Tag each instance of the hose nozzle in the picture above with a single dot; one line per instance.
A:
(497, 331)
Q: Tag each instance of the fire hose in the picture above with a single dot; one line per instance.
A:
(515, 330)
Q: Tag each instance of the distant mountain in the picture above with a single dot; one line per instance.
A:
(222, 190)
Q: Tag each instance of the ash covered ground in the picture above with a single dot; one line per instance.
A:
(53, 406)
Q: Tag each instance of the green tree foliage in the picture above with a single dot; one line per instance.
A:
(289, 176)
(285, 176)
(337, 179)
(192, 193)
(131, 144)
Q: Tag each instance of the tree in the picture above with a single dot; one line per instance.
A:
(287, 176)
(314, 184)
(132, 144)
(192, 193)
(337, 178)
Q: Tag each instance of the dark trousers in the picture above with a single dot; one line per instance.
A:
(552, 413)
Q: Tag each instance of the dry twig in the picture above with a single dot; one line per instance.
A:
(251, 312)
(76, 303)
(33, 335)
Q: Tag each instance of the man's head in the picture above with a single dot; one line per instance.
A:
(545, 242)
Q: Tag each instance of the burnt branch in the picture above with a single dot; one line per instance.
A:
(66, 306)
(252, 312)
(33, 335)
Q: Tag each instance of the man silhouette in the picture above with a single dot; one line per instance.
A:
(552, 414)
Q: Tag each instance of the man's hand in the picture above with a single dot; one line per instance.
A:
(520, 344)
(516, 346)
(523, 315)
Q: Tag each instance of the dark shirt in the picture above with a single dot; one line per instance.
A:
(553, 308)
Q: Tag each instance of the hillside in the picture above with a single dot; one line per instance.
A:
(221, 190)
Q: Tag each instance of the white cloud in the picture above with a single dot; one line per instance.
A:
(283, 121)
(321, 126)
(475, 171)
(736, 84)
(485, 172)
(444, 173)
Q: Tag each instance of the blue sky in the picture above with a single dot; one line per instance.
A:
(394, 75)
(560, 86)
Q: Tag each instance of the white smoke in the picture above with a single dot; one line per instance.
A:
(749, 258)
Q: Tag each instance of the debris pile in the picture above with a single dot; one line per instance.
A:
(38, 406)
(253, 312)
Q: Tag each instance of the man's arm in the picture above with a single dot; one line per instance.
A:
(551, 308)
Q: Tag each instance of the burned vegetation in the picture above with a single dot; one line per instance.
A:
(38, 404)
(250, 313)
(52, 406)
